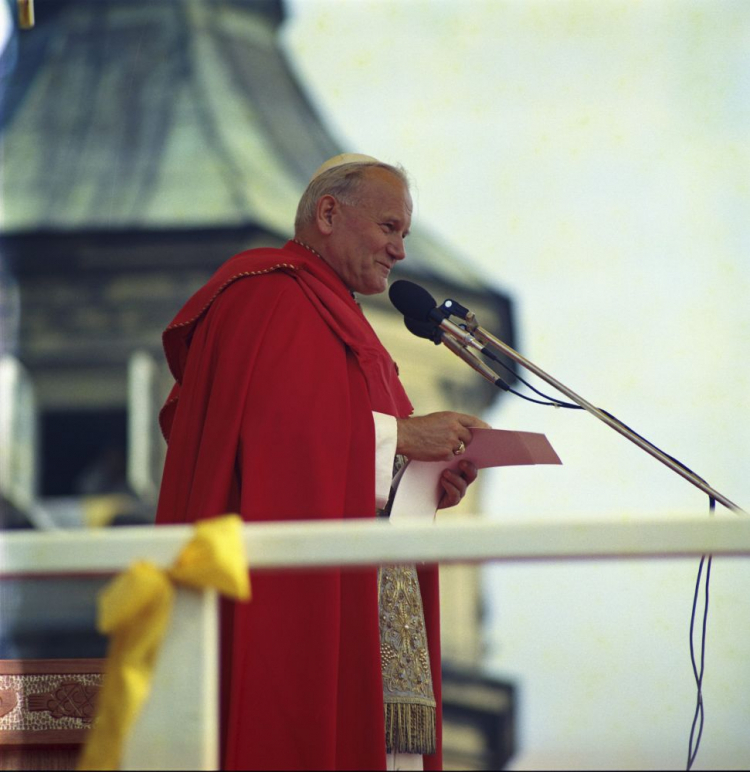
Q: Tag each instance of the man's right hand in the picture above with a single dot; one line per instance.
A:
(436, 436)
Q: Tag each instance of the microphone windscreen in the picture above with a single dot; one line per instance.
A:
(427, 330)
(411, 300)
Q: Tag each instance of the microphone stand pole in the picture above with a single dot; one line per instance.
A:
(487, 339)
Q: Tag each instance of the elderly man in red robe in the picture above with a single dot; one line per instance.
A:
(287, 407)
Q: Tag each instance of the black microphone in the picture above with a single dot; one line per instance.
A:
(414, 302)
(427, 330)
(410, 298)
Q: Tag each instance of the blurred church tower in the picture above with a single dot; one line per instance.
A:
(143, 144)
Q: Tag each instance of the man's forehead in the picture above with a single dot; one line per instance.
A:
(386, 188)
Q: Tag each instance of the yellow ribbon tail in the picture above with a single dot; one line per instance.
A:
(135, 609)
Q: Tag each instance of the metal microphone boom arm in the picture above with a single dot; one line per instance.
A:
(490, 341)
(474, 361)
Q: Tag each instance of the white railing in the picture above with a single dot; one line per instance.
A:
(178, 728)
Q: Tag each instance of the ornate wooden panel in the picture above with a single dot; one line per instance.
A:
(46, 709)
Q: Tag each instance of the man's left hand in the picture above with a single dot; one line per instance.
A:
(455, 483)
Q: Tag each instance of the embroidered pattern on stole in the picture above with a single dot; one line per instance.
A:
(408, 698)
(407, 682)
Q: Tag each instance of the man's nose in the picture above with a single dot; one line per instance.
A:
(396, 248)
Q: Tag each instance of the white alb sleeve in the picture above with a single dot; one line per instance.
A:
(386, 435)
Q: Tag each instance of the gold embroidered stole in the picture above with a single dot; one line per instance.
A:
(407, 683)
(410, 709)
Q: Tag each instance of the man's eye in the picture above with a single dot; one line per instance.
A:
(387, 227)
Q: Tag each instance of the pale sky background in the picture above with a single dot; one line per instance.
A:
(593, 160)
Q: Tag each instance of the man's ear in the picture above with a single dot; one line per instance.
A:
(325, 212)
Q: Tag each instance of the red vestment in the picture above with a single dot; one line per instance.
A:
(278, 373)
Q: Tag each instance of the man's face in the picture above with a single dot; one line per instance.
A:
(368, 238)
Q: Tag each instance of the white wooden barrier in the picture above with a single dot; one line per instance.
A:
(178, 727)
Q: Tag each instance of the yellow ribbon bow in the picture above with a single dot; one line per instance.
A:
(134, 610)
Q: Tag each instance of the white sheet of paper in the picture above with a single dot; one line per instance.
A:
(418, 492)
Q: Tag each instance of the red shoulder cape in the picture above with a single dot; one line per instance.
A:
(271, 416)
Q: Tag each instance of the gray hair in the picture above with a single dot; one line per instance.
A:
(344, 183)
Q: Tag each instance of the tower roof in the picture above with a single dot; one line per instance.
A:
(165, 115)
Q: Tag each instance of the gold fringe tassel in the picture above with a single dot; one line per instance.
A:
(409, 728)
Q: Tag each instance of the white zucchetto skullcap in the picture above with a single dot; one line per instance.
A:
(344, 158)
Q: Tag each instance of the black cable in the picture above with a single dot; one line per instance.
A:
(539, 401)
(561, 403)
(699, 715)
(553, 401)
(656, 447)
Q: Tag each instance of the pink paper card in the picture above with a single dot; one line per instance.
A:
(418, 492)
